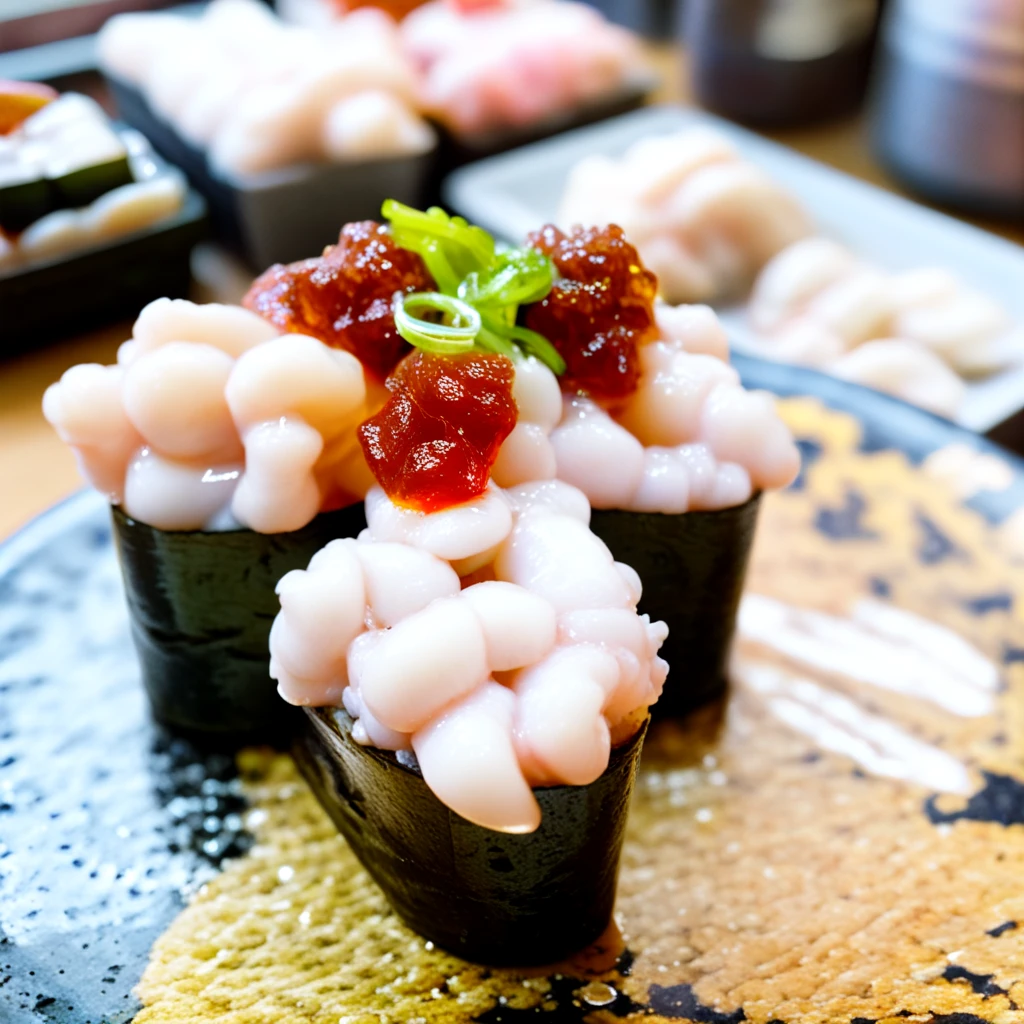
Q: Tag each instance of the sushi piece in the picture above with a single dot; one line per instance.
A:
(657, 431)
(286, 130)
(62, 154)
(68, 180)
(475, 674)
(702, 218)
(475, 737)
(228, 450)
(494, 75)
(917, 335)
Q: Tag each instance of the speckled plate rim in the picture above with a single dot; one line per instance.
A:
(889, 423)
(48, 523)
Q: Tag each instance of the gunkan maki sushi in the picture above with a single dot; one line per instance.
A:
(655, 428)
(69, 179)
(226, 442)
(476, 675)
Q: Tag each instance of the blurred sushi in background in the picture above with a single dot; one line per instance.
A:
(89, 215)
(287, 130)
(260, 95)
(919, 334)
(69, 179)
(487, 68)
(704, 219)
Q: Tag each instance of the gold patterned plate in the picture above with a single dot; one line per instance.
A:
(842, 842)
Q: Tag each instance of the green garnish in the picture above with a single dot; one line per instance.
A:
(455, 333)
(479, 290)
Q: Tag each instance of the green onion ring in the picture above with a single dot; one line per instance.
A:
(441, 339)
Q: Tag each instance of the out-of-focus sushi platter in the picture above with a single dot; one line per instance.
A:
(87, 210)
(509, 193)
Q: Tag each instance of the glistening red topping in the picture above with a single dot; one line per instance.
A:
(344, 298)
(435, 440)
(600, 311)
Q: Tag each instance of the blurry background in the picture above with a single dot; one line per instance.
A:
(920, 97)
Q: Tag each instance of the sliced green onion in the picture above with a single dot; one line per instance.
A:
(537, 345)
(445, 339)
(477, 243)
(516, 280)
(527, 276)
(492, 341)
(479, 292)
(431, 251)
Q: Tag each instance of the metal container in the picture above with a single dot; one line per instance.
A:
(948, 106)
(780, 62)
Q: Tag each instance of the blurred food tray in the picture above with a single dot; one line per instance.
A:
(285, 214)
(67, 294)
(518, 191)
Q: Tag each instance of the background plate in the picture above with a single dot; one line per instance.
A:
(519, 191)
(834, 848)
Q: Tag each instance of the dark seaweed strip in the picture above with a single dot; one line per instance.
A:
(201, 606)
(692, 567)
(487, 896)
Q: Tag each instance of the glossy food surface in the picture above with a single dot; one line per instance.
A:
(434, 442)
(600, 311)
(344, 297)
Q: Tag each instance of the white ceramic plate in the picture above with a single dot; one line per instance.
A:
(518, 191)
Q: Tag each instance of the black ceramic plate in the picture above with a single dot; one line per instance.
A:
(107, 824)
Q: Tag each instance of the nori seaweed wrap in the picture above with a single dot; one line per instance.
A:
(692, 565)
(201, 605)
(491, 897)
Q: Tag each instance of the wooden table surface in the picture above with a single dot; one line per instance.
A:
(37, 469)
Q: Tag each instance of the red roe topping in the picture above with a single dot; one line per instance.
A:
(433, 443)
(344, 298)
(600, 311)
